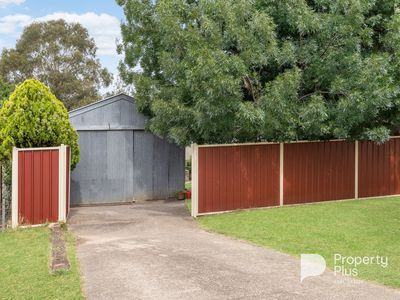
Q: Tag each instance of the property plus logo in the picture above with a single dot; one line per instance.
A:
(315, 264)
(311, 265)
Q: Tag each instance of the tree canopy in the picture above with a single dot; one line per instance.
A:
(276, 70)
(33, 117)
(5, 90)
(60, 54)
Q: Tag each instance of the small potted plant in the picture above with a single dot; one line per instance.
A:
(181, 195)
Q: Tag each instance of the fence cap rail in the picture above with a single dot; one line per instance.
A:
(276, 143)
(40, 148)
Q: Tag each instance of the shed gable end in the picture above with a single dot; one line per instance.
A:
(118, 112)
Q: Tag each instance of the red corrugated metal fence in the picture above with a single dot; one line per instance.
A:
(379, 166)
(38, 186)
(229, 177)
(40, 191)
(318, 171)
(238, 177)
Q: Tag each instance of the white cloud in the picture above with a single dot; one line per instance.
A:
(104, 28)
(14, 23)
(4, 3)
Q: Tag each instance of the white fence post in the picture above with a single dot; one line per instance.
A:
(14, 193)
(281, 163)
(356, 170)
(195, 180)
(62, 189)
(69, 182)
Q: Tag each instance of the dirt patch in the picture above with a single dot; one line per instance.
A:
(59, 259)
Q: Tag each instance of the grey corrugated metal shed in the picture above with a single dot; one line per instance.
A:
(120, 161)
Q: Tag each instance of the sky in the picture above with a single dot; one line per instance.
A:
(102, 18)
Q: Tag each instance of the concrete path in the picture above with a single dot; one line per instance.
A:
(154, 250)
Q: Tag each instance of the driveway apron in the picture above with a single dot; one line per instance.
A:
(155, 250)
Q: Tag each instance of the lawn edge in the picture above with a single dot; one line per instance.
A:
(71, 246)
(212, 231)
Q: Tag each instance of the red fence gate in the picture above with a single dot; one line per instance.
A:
(40, 185)
(238, 176)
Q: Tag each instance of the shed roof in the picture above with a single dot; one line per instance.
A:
(100, 103)
(114, 113)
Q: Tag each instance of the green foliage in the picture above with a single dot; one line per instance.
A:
(188, 165)
(5, 90)
(33, 117)
(60, 54)
(276, 70)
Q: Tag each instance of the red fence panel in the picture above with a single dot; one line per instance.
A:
(249, 175)
(379, 168)
(234, 177)
(38, 186)
(318, 171)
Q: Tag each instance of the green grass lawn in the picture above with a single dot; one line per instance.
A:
(350, 228)
(24, 267)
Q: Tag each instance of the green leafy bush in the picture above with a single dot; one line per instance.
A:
(33, 117)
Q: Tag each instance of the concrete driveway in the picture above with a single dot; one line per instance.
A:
(154, 250)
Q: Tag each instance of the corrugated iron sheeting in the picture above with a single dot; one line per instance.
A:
(38, 186)
(318, 171)
(379, 166)
(245, 176)
(120, 161)
(238, 177)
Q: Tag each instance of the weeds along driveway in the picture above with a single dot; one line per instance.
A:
(154, 250)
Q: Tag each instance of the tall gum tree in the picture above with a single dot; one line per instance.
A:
(63, 56)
